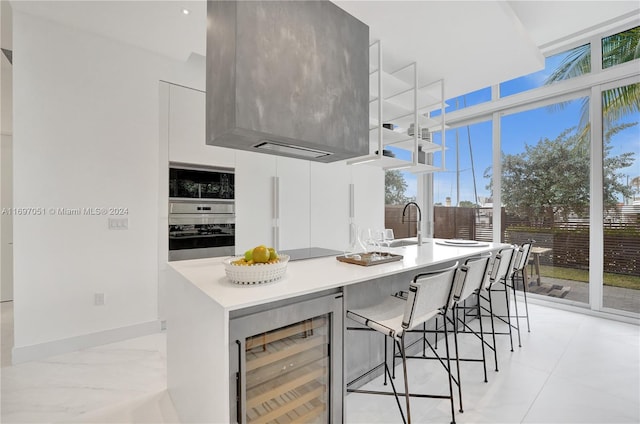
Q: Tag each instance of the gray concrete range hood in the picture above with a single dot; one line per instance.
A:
(289, 78)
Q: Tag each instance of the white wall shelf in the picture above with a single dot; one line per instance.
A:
(396, 99)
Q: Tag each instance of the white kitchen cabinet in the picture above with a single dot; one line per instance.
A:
(330, 200)
(343, 195)
(293, 197)
(368, 184)
(272, 201)
(254, 200)
(187, 130)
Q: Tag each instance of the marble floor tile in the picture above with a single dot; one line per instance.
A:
(571, 368)
(6, 332)
(568, 401)
(65, 386)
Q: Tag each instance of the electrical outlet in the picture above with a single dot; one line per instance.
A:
(98, 299)
(163, 325)
(118, 223)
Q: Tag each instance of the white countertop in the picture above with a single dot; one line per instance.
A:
(314, 275)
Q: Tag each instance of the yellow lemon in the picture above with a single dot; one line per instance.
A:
(273, 255)
(260, 254)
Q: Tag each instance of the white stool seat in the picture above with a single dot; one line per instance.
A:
(385, 317)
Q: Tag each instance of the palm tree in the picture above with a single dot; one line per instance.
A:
(616, 49)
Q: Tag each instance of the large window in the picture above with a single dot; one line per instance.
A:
(620, 48)
(621, 194)
(545, 195)
(562, 66)
(400, 188)
(467, 100)
(462, 193)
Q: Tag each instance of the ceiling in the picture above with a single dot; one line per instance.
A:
(472, 44)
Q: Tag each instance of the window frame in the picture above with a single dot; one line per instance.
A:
(592, 85)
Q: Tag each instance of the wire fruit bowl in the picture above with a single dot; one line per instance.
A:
(255, 273)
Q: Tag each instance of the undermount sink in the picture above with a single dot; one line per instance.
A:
(403, 242)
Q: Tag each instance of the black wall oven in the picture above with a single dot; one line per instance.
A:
(200, 182)
(201, 212)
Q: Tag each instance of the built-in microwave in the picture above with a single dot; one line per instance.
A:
(200, 182)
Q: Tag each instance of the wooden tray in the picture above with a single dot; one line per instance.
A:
(365, 259)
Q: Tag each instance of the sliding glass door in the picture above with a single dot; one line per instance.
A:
(621, 197)
(546, 194)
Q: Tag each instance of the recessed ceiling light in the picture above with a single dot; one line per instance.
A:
(185, 11)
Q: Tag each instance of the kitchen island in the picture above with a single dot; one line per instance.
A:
(203, 303)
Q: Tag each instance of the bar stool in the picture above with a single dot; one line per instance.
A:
(474, 271)
(520, 270)
(499, 271)
(429, 295)
(469, 280)
(500, 281)
(518, 264)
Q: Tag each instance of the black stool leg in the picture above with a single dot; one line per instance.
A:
(424, 339)
(393, 365)
(446, 344)
(526, 305)
(484, 360)
(395, 392)
(385, 360)
(506, 297)
(406, 380)
(515, 305)
(436, 333)
(455, 316)
(493, 331)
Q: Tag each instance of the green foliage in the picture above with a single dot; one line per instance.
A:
(394, 188)
(610, 279)
(620, 48)
(616, 49)
(551, 179)
(467, 204)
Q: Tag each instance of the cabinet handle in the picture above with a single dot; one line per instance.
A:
(352, 205)
(276, 233)
(276, 197)
(276, 211)
(239, 394)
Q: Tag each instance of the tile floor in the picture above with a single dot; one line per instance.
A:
(572, 368)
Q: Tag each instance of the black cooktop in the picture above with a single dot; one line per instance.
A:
(309, 253)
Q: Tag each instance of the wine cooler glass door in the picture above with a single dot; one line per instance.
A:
(291, 373)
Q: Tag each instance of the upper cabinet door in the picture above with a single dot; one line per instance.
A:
(368, 182)
(187, 130)
(293, 207)
(272, 201)
(330, 204)
(254, 190)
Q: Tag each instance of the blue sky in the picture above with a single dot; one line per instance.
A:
(517, 129)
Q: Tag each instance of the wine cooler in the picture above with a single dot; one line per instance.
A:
(287, 363)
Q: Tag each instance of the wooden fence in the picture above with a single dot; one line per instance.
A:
(568, 241)
(393, 220)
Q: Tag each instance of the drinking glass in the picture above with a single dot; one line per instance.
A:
(388, 235)
(368, 237)
(379, 235)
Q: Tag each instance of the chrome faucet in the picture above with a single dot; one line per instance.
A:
(418, 222)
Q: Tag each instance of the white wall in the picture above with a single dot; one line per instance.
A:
(86, 134)
(6, 220)
(6, 131)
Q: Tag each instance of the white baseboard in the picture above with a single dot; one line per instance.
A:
(57, 347)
